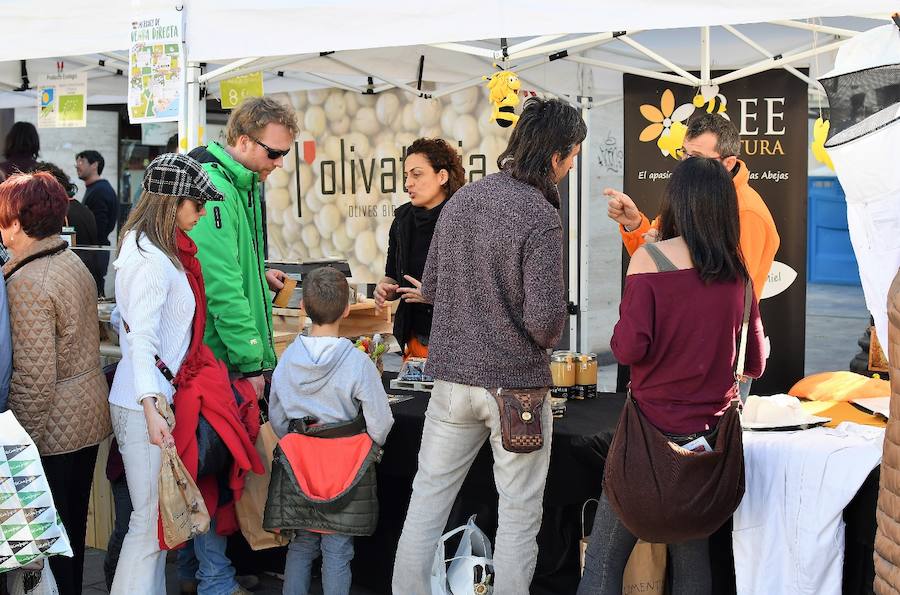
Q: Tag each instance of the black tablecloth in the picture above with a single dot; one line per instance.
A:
(580, 442)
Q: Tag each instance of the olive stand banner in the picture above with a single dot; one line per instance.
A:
(770, 111)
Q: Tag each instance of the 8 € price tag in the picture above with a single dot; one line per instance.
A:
(237, 89)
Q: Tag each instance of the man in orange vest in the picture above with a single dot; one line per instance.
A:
(713, 136)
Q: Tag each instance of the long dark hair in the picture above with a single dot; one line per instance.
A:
(545, 128)
(22, 139)
(700, 205)
(441, 155)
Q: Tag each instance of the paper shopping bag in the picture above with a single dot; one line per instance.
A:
(181, 508)
(646, 569)
(252, 505)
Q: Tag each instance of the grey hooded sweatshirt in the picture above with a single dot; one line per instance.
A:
(329, 379)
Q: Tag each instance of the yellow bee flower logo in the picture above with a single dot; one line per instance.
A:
(666, 125)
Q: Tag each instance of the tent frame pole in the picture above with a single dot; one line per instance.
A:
(395, 83)
(705, 51)
(662, 76)
(463, 48)
(584, 235)
(840, 32)
(665, 62)
(269, 64)
(225, 71)
(192, 129)
(775, 62)
(531, 43)
(762, 50)
(573, 45)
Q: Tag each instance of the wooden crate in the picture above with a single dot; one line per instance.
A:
(364, 319)
(101, 510)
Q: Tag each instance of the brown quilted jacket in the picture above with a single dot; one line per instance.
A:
(887, 539)
(58, 391)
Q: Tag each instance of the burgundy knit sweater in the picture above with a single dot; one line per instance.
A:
(495, 276)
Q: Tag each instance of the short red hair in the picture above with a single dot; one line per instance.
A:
(37, 200)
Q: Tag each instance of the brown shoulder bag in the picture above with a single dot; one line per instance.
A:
(664, 493)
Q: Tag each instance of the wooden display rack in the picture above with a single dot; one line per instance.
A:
(364, 319)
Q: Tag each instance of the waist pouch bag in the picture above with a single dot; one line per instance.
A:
(520, 418)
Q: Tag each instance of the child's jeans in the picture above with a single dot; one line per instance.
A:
(337, 552)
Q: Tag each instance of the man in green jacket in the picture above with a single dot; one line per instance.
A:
(260, 132)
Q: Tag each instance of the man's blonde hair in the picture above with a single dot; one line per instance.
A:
(251, 116)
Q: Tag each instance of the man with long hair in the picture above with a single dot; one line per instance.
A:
(495, 276)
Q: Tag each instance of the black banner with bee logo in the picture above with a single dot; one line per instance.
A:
(770, 112)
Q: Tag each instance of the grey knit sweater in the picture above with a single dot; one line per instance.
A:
(495, 277)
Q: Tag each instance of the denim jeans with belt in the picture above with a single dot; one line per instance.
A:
(458, 421)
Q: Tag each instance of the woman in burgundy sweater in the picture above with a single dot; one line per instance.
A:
(679, 323)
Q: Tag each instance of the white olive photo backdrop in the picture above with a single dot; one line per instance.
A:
(337, 191)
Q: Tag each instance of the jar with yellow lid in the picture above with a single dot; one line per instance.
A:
(585, 375)
(562, 371)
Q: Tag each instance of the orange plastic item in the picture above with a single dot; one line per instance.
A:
(839, 386)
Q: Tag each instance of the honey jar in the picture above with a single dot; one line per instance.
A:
(562, 370)
(585, 376)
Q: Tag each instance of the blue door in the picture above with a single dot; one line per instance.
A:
(831, 258)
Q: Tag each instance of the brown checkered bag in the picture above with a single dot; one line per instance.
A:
(520, 417)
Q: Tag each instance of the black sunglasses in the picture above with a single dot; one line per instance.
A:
(273, 154)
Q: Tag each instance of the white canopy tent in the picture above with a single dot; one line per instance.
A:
(573, 49)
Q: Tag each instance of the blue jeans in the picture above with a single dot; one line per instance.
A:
(337, 552)
(610, 547)
(204, 559)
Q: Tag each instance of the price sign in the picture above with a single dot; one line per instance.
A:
(237, 89)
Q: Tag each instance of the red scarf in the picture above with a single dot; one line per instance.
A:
(203, 387)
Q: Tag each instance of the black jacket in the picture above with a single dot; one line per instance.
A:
(410, 319)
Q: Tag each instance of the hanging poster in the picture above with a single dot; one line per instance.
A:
(156, 69)
(238, 88)
(62, 100)
(769, 110)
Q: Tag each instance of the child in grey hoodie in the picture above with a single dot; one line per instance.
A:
(325, 377)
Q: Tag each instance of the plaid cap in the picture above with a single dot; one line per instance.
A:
(174, 174)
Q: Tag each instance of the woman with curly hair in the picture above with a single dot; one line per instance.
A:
(433, 172)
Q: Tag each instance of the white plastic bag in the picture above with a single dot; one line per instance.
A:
(471, 570)
(30, 528)
(46, 585)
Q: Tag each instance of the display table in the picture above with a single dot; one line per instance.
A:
(580, 443)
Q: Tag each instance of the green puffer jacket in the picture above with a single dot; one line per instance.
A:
(353, 511)
(230, 249)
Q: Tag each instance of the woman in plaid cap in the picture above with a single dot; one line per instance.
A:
(158, 280)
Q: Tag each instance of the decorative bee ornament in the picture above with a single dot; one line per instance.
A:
(504, 86)
(710, 100)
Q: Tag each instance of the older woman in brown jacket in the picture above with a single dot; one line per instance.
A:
(57, 392)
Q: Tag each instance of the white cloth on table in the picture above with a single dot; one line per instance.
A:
(788, 530)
